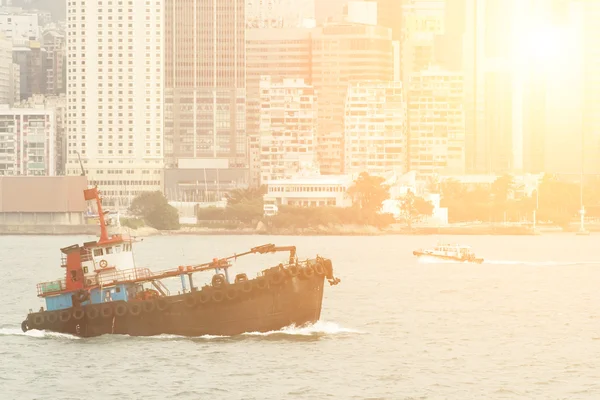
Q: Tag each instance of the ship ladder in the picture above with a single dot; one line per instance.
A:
(161, 288)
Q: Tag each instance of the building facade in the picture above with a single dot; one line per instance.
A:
(205, 82)
(287, 127)
(278, 13)
(278, 52)
(27, 142)
(115, 96)
(436, 123)
(344, 53)
(375, 128)
(19, 26)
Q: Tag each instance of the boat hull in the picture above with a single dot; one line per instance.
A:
(258, 305)
(447, 258)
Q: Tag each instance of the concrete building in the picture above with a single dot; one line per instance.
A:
(436, 123)
(310, 190)
(205, 81)
(19, 25)
(285, 53)
(344, 53)
(422, 22)
(288, 121)
(41, 202)
(54, 43)
(329, 10)
(115, 96)
(279, 13)
(375, 135)
(57, 104)
(27, 141)
(6, 71)
(31, 58)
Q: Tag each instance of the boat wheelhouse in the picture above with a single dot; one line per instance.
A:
(103, 291)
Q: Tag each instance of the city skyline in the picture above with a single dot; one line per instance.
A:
(185, 109)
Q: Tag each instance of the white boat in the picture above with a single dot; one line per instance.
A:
(447, 251)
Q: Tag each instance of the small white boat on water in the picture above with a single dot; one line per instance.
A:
(452, 252)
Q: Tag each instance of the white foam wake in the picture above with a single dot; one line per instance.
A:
(35, 334)
(436, 260)
(318, 328)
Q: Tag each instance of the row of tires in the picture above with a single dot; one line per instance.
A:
(222, 291)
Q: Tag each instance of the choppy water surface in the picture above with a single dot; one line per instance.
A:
(525, 324)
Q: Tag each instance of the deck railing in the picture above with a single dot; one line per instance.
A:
(51, 287)
(109, 277)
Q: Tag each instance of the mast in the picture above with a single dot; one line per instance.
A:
(94, 194)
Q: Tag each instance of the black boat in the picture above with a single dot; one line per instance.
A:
(105, 293)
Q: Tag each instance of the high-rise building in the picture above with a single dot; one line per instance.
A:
(389, 14)
(279, 13)
(375, 128)
(436, 123)
(284, 52)
(27, 140)
(329, 10)
(344, 53)
(115, 95)
(205, 81)
(493, 129)
(20, 26)
(287, 127)
(422, 22)
(31, 58)
(54, 44)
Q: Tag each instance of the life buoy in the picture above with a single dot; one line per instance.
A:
(106, 311)
(261, 283)
(308, 272)
(91, 312)
(64, 316)
(120, 310)
(204, 297)
(190, 301)
(319, 270)
(218, 280)
(51, 317)
(149, 306)
(38, 320)
(103, 263)
(78, 313)
(218, 296)
(231, 294)
(293, 271)
(246, 287)
(276, 278)
(241, 278)
(161, 304)
(134, 309)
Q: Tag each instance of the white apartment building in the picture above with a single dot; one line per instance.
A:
(375, 135)
(436, 123)
(287, 127)
(310, 191)
(19, 26)
(27, 141)
(115, 95)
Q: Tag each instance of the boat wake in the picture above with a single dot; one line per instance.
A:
(36, 334)
(319, 329)
(434, 260)
(541, 263)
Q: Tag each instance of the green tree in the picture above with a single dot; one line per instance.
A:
(249, 195)
(369, 192)
(412, 207)
(156, 211)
